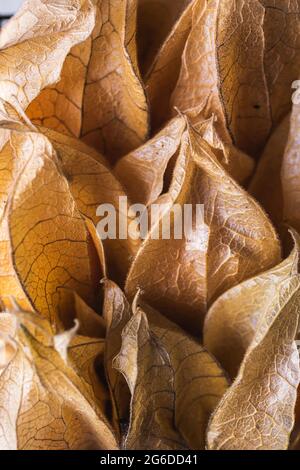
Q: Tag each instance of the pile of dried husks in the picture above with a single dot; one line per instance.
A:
(151, 343)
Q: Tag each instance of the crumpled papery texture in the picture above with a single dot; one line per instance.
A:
(143, 342)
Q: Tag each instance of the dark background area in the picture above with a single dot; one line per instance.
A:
(8, 8)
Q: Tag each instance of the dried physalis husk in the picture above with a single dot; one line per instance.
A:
(99, 97)
(233, 319)
(234, 66)
(143, 170)
(257, 412)
(266, 185)
(60, 406)
(34, 46)
(92, 184)
(44, 240)
(174, 382)
(116, 313)
(7, 345)
(234, 240)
